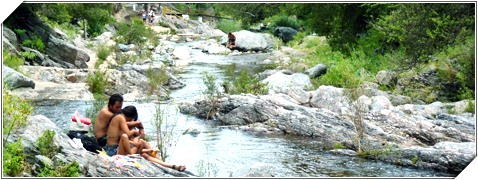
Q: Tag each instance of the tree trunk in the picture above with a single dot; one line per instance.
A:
(84, 28)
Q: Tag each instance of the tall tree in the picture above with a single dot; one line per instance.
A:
(423, 29)
(341, 23)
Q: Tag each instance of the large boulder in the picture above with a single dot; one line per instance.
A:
(15, 79)
(59, 50)
(249, 41)
(10, 35)
(281, 82)
(285, 33)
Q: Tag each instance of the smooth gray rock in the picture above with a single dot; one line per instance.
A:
(15, 79)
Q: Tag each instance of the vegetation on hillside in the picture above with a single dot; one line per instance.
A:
(364, 38)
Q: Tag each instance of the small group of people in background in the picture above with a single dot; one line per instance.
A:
(148, 17)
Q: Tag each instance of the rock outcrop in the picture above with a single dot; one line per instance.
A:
(91, 165)
(422, 134)
(250, 41)
(15, 79)
(56, 48)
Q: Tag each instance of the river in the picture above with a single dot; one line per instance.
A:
(222, 152)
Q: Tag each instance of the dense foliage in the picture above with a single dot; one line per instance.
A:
(95, 14)
(364, 38)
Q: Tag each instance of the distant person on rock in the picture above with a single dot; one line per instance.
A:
(145, 16)
(231, 42)
(151, 16)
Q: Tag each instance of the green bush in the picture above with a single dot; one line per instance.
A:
(62, 170)
(47, 148)
(283, 20)
(15, 113)
(244, 83)
(470, 107)
(211, 86)
(134, 32)
(156, 80)
(12, 61)
(97, 82)
(163, 24)
(20, 32)
(103, 52)
(29, 55)
(45, 144)
(35, 42)
(226, 25)
(13, 158)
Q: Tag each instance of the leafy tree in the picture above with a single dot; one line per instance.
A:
(248, 13)
(134, 31)
(341, 23)
(96, 14)
(58, 12)
(423, 29)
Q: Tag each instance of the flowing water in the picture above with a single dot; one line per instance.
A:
(221, 152)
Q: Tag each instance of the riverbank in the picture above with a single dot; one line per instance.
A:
(437, 136)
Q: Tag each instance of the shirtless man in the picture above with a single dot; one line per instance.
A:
(103, 119)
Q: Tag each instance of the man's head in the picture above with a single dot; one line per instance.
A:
(115, 103)
(130, 113)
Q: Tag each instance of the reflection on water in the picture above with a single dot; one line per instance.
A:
(232, 151)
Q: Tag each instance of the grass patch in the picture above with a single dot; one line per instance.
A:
(244, 83)
(13, 158)
(12, 60)
(15, 113)
(60, 170)
(226, 25)
(338, 145)
(470, 107)
(103, 52)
